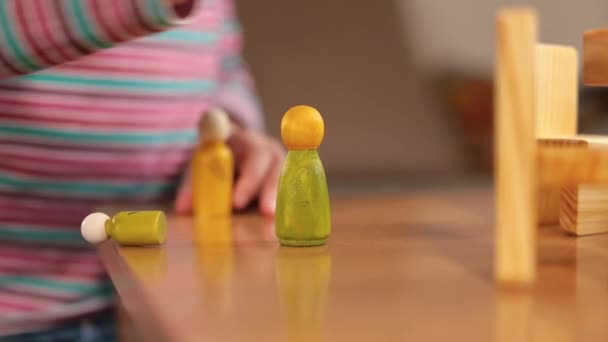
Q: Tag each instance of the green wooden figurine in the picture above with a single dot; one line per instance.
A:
(132, 228)
(303, 216)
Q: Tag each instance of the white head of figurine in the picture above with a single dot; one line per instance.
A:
(93, 228)
(215, 125)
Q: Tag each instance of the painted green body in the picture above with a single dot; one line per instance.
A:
(303, 216)
(138, 228)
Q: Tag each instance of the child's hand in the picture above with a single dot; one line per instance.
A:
(258, 159)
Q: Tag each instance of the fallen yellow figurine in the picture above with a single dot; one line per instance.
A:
(131, 228)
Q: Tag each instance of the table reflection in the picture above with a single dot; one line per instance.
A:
(149, 263)
(303, 277)
(214, 244)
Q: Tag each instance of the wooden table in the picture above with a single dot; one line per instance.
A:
(399, 266)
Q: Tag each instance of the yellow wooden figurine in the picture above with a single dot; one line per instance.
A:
(133, 228)
(213, 168)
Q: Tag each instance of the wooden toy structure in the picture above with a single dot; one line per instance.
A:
(545, 172)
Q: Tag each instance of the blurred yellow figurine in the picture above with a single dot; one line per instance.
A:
(303, 216)
(132, 228)
(213, 168)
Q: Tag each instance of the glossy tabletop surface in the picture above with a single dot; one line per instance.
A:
(399, 266)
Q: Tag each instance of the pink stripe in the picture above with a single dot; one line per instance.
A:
(174, 70)
(48, 222)
(27, 301)
(104, 21)
(33, 267)
(36, 31)
(42, 13)
(27, 32)
(156, 172)
(100, 90)
(119, 13)
(54, 195)
(45, 217)
(20, 216)
(98, 119)
(24, 326)
(159, 45)
(93, 129)
(36, 88)
(157, 76)
(7, 57)
(94, 159)
(150, 126)
(99, 176)
(70, 33)
(16, 304)
(49, 256)
(142, 49)
(73, 102)
(115, 166)
(49, 143)
(28, 203)
(208, 19)
(115, 182)
(42, 205)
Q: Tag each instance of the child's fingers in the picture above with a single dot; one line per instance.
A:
(268, 198)
(183, 200)
(252, 171)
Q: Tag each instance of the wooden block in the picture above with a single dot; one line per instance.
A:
(595, 57)
(585, 209)
(516, 185)
(569, 161)
(556, 109)
(580, 163)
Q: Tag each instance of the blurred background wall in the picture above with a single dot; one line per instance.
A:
(404, 85)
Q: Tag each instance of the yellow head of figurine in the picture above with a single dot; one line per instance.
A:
(302, 128)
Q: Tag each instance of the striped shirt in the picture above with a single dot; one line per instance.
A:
(99, 101)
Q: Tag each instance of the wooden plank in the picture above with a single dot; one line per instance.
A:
(556, 109)
(516, 185)
(595, 57)
(569, 161)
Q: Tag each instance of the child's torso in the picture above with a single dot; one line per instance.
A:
(119, 124)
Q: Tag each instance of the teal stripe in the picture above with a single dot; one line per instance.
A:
(22, 234)
(63, 286)
(86, 187)
(188, 136)
(230, 63)
(12, 42)
(231, 25)
(187, 36)
(122, 83)
(85, 26)
(158, 11)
